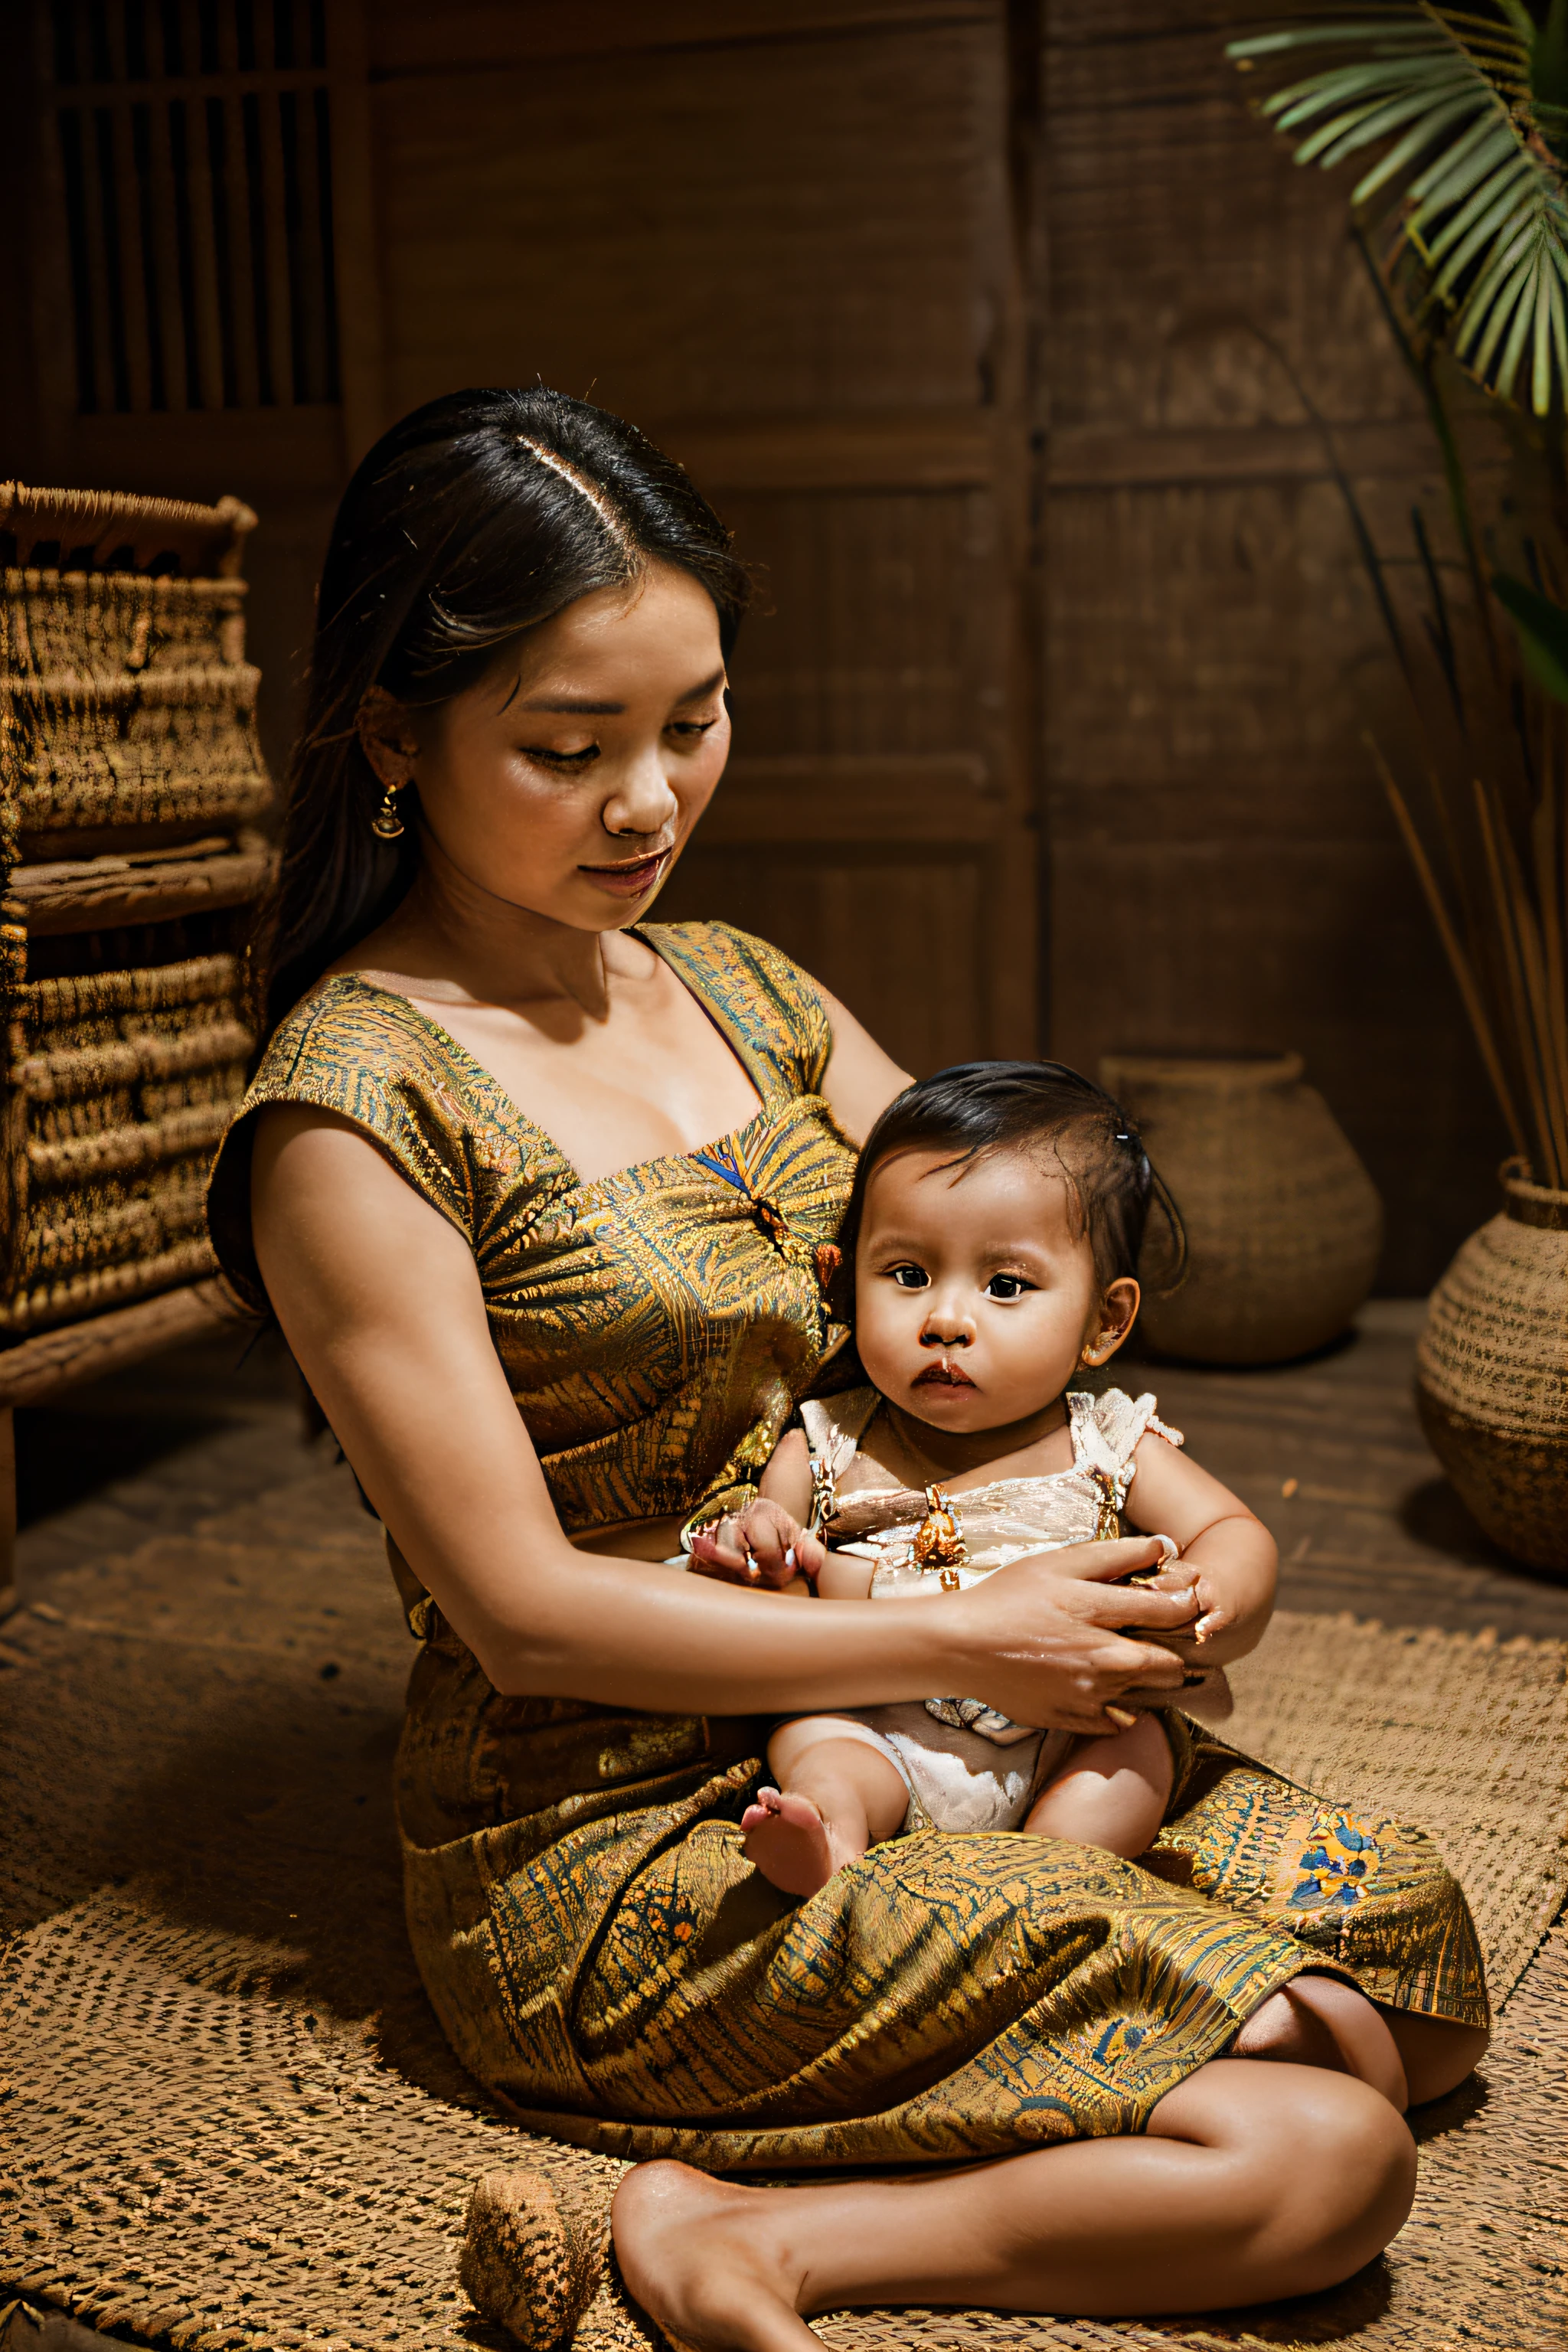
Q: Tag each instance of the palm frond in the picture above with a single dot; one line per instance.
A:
(1467, 207)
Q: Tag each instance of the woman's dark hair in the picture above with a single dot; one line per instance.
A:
(977, 1107)
(480, 514)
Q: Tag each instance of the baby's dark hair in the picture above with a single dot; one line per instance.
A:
(977, 1107)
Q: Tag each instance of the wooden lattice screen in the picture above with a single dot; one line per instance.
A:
(194, 156)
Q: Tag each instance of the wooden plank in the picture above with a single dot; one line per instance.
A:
(1095, 457)
(127, 261)
(894, 449)
(280, 308)
(877, 630)
(244, 293)
(871, 797)
(361, 363)
(166, 262)
(897, 933)
(206, 324)
(279, 453)
(409, 39)
(38, 1369)
(48, 385)
(98, 260)
(192, 86)
(109, 891)
(819, 239)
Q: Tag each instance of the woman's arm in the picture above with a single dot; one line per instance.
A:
(861, 1080)
(1231, 1549)
(380, 1300)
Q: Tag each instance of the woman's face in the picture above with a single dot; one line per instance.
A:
(568, 780)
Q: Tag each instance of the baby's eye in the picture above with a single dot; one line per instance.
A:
(1006, 1285)
(911, 1277)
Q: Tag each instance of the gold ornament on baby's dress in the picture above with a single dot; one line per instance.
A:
(939, 1543)
(1108, 1523)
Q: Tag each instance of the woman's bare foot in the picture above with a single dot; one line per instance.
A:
(691, 2252)
(790, 1843)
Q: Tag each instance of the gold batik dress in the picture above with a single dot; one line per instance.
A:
(596, 1946)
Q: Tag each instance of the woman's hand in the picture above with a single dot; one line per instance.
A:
(1055, 1639)
(764, 1546)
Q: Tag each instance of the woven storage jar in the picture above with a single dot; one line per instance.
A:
(1283, 1223)
(130, 781)
(1492, 1373)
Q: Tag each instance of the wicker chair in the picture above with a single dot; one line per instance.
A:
(132, 782)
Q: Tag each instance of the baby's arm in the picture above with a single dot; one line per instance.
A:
(1232, 1550)
(786, 1481)
(767, 1545)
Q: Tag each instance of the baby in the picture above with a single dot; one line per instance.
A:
(997, 1218)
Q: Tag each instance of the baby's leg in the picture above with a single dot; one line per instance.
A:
(1110, 1792)
(836, 1795)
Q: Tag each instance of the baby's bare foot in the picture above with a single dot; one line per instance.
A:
(788, 1841)
(695, 2254)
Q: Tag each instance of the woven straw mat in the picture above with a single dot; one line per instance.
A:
(233, 2123)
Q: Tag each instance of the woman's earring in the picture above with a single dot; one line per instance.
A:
(387, 824)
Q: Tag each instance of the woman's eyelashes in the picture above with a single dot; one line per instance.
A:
(688, 732)
(569, 761)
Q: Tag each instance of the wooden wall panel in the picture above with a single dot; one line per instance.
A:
(898, 926)
(1225, 875)
(476, 35)
(789, 256)
(870, 630)
(779, 231)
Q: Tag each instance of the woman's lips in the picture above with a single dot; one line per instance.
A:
(629, 881)
(942, 1376)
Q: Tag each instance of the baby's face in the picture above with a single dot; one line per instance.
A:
(974, 1290)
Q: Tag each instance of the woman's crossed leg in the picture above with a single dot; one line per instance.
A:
(1250, 2182)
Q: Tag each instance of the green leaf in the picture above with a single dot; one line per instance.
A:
(1549, 58)
(1433, 122)
(1463, 162)
(1465, 112)
(1541, 628)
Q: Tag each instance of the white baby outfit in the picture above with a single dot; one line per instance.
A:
(965, 1766)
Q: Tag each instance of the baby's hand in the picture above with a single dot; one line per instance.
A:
(762, 1545)
(1216, 1614)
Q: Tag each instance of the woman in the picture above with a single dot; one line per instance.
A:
(549, 1318)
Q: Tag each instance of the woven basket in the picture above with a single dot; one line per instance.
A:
(1283, 1223)
(1491, 1375)
(130, 781)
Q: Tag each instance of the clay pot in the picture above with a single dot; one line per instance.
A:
(1284, 1224)
(1491, 1372)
